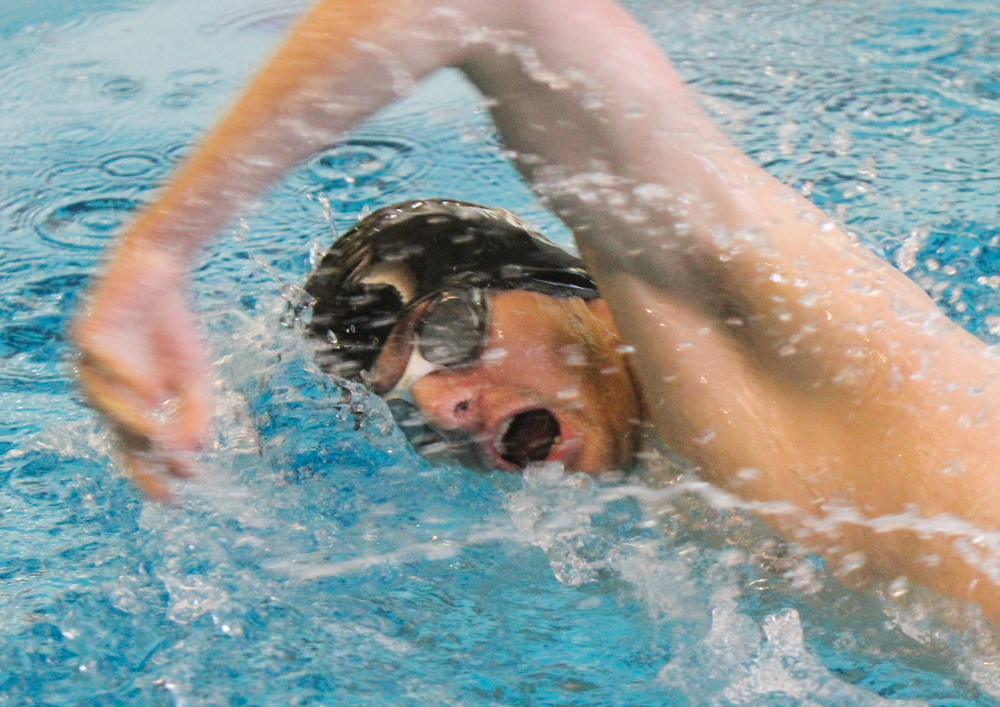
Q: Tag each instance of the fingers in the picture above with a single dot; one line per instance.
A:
(170, 424)
(144, 366)
(188, 384)
(151, 453)
(152, 474)
(105, 357)
(159, 419)
(194, 414)
(121, 403)
(150, 484)
(150, 466)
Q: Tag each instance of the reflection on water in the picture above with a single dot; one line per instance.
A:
(317, 563)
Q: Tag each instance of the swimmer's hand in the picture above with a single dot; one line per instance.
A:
(143, 365)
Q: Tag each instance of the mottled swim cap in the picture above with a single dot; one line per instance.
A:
(402, 254)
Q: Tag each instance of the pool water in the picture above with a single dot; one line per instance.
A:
(323, 563)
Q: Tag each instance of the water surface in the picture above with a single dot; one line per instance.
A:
(322, 564)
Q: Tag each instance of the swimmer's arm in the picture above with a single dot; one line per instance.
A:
(790, 364)
(143, 364)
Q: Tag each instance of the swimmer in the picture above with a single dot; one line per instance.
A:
(786, 363)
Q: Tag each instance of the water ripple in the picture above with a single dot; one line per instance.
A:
(178, 151)
(918, 46)
(190, 85)
(361, 170)
(74, 177)
(130, 164)
(879, 109)
(121, 87)
(271, 19)
(84, 134)
(87, 223)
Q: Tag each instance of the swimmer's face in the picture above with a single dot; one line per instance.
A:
(550, 384)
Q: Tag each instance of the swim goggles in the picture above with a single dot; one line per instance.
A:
(451, 331)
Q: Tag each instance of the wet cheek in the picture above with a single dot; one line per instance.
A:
(617, 403)
(612, 370)
(524, 365)
(493, 355)
(570, 395)
(574, 356)
(446, 401)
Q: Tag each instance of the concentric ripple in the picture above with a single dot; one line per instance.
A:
(83, 134)
(121, 87)
(877, 110)
(271, 19)
(188, 86)
(75, 178)
(361, 170)
(86, 224)
(178, 151)
(130, 164)
(915, 49)
(914, 37)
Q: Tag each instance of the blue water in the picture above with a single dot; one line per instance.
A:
(319, 564)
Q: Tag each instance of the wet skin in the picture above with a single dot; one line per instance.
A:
(559, 354)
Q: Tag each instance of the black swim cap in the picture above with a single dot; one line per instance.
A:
(404, 253)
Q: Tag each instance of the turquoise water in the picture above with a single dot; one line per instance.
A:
(317, 563)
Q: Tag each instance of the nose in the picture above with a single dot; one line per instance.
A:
(450, 400)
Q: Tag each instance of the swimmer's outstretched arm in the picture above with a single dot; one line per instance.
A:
(785, 361)
(143, 363)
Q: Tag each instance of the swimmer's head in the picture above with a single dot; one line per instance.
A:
(490, 344)
(405, 254)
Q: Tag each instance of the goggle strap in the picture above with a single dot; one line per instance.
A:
(416, 368)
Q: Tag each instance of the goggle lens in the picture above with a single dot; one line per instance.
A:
(452, 330)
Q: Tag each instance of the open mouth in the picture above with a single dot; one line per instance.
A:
(528, 437)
